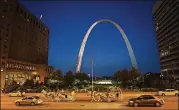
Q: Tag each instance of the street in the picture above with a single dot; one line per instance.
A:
(83, 102)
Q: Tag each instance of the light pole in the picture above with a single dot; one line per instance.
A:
(92, 72)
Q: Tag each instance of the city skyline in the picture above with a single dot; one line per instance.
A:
(67, 20)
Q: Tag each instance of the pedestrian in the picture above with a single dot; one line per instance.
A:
(120, 95)
(93, 96)
(108, 95)
(117, 95)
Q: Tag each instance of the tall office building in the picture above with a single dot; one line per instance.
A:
(24, 44)
(166, 18)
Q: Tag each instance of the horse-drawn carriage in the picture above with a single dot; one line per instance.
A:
(58, 96)
(105, 97)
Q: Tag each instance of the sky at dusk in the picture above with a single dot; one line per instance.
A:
(69, 22)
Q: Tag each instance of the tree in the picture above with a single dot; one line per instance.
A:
(57, 75)
(117, 76)
(46, 80)
(69, 79)
(37, 84)
(29, 82)
(122, 76)
(81, 76)
(134, 73)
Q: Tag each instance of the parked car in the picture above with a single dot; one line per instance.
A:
(34, 100)
(168, 92)
(146, 100)
(33, 90)
(16, 94)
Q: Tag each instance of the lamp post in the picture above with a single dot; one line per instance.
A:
(92, 72)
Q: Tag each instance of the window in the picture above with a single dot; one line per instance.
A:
(17, 9)
(150, 97)
(25, 15)
(3, 63)
(5, 46)
(4, 51)
(21, 12)
(156, 28)
(24, 98)
(172, 90)
(36, 24)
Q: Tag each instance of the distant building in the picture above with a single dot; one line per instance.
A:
(166, 19)
(24, 41)
(103, 82)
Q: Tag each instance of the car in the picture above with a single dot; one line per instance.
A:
(30, 100)
(15, 94)
(33, 90)
(167, 92)
(146, 100)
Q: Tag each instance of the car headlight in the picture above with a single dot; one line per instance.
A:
(131, 101)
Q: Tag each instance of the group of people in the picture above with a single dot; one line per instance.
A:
(21, 93)
(59, 95)
(107, 97)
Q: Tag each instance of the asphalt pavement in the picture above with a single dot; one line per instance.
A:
(83, 102)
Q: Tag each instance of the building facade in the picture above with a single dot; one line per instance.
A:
(166, 19)
(24, 44)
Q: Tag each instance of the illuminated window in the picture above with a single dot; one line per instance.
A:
(156, 28)
(3, 63)
(2, 69)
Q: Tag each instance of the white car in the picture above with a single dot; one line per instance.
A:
(168, 92)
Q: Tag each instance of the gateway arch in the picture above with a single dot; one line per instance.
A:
(82, 48)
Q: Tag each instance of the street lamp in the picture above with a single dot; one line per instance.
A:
(92, 74)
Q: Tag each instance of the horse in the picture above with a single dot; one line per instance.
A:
(95, 96)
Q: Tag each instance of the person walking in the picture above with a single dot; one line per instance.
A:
(117, 95)
(93, 96)
(108, 94)
(121, 97)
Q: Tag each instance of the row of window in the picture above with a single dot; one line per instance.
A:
(163, 8)
(169, 66)
(29, 18)
(169, 38)
(170, 11)
(164, 53)
(49, 69)
(20, 66)
(18, 76)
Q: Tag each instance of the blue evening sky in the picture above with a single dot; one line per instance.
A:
(69, 21)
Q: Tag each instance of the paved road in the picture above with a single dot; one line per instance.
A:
(84, 103)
